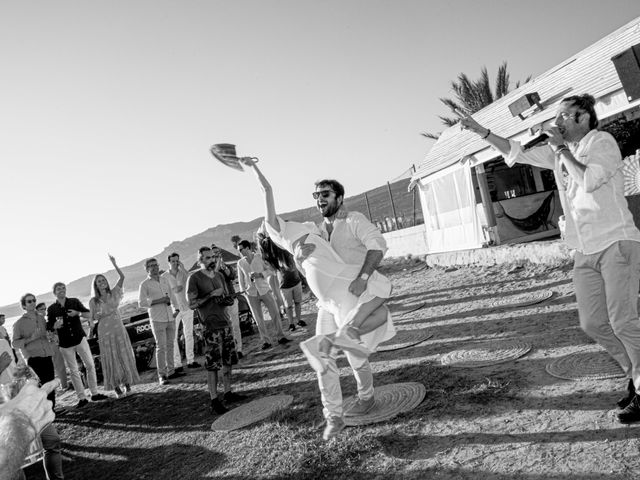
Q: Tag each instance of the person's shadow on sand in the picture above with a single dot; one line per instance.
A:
(174, 461)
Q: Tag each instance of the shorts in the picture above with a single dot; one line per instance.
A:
(293, 295)
(219, 349)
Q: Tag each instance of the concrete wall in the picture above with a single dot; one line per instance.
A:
(553, 252)
(408, 241)
(413, 241)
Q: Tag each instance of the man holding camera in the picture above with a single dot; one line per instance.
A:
(207, 294)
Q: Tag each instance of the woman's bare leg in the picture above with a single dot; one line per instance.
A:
(369, 316)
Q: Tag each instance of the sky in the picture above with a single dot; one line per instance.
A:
(108, 109)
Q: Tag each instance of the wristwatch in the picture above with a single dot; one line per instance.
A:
(364, 276)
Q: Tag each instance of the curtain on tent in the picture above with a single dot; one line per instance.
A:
(450, 210)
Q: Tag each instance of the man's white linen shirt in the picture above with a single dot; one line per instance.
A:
(352, 236)
(179, 280)
(259, 286)
(150, 290)
(596, 211)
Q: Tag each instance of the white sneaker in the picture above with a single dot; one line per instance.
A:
(360, 407)
(311, 349)
(335, 425)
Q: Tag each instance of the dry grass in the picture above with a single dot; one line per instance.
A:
(502, 422)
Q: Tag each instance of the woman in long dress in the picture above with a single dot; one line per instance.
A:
(116, 355)
(361, 328)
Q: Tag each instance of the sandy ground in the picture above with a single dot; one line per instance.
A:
(515, 420)
(507, 421)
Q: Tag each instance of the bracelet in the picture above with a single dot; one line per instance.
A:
(487, 134)
(560, 149)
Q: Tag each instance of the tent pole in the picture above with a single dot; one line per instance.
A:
(366, 200)
(413, 191)
(487, 204)
(393, 207)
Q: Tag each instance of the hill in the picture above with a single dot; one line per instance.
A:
(377, 205)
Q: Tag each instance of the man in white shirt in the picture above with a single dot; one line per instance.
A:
(358, 242)
(252, 278)
(155, 294)
(177, 277)
(599, 226)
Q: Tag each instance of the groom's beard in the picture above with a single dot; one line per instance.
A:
(331, 209)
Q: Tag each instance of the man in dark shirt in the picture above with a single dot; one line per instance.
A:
(64, 316)
(203, 286)
(229, 275)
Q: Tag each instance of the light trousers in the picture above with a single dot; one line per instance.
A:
(275, 291)
(606, 285)
(59, 366)
(69, 355)
(256, 310)
(186, 317)
(164, 333)
(329, 381)
(232, 311)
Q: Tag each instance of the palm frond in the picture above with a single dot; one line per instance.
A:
(483, 90)
(432, 136)
(526, 80)
(470, 97)
(502, 81)
(449, 121)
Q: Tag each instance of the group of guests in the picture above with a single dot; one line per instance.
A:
(49, 340)
(266, 283)
(339, 259)
(208, 291)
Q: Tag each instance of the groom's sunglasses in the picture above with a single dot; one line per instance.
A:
(322, 193)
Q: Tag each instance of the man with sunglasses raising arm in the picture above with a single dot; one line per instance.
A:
(606, 273)
(358, 242)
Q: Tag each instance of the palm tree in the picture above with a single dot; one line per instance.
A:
(472, 96)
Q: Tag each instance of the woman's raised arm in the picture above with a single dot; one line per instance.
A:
(270, 206)
(120, 274)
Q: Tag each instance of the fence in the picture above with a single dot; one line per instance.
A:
(391, 206)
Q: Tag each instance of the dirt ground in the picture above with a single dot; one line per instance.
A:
(515, 420)
(508, 421)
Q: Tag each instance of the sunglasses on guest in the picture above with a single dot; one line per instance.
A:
(322, 193)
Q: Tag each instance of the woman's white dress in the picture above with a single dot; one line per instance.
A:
(329, 278)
